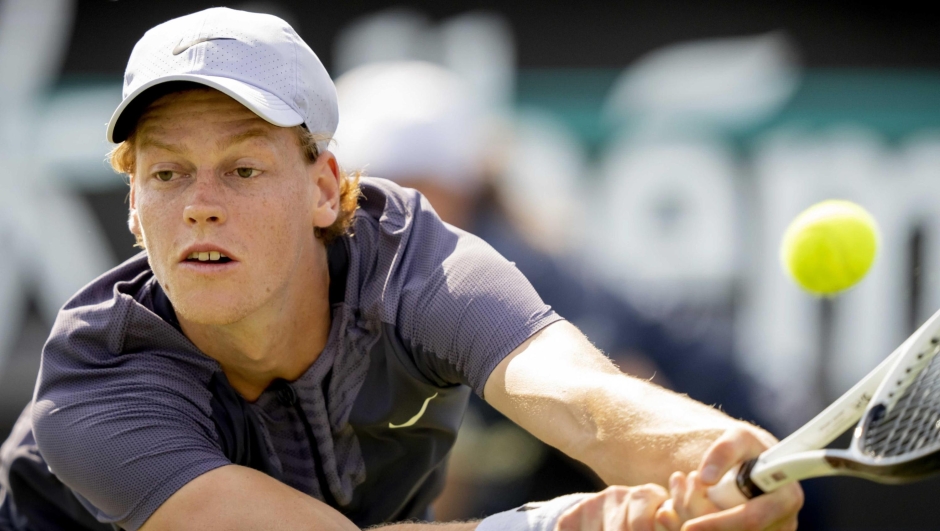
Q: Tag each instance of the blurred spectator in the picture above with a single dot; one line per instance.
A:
(418, 124)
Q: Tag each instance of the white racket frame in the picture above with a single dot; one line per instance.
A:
(800, 456)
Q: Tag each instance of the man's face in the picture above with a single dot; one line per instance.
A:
(226, 204)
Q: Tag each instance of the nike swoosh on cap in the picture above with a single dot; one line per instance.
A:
(412, 420)
(182, 47)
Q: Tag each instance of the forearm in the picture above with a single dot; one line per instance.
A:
(629, 431)
(449, 526)
(243, 499)
(641, 433)
(238, 498)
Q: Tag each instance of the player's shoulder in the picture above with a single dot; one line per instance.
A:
(112, 315)
(388, 217)
(396, 239)
(102, 307)
(387, 203)
(123, 279)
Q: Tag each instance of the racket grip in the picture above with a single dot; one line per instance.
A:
(735, 487)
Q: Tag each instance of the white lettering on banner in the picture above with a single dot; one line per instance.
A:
(669, 218)
(780, 329)
(674, 218)
(672, 227)
(542, 178)
(921, 159)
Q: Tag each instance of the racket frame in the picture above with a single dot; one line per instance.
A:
(800, 456)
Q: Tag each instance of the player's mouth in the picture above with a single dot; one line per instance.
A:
(207, 259)
(217, 257)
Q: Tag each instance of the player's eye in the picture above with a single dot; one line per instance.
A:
(245, 173)
(164, 175)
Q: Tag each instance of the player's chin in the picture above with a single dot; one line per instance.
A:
(211, 309)
(220, 302)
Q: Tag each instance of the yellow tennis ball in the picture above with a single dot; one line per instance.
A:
(830, 246)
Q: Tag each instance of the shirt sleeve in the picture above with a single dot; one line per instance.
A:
(123, 423)
(461, 306)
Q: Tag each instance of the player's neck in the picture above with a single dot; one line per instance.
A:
(280, 340)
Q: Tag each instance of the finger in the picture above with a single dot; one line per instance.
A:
(642, 506)
(788, 506)
(677, 485)
(668, 507)
(687, 499)
(612, 515)
(689, 494)
(667, 519)
(596, 518)
(731, 519)
(738, 519)
(616, 509)
(697, 501)
(674, 480)
(734, 446)
(787, 525)
(582, 516)
(776, 510)
(571, 519)
(738, 523)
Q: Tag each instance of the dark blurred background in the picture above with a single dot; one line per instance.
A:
(657, 151)
(554, 34)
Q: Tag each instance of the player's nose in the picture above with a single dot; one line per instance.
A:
(205, 204)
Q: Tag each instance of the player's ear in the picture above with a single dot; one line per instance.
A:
(325, 174)
(133, 221)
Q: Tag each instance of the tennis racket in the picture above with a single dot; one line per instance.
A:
(896, 440)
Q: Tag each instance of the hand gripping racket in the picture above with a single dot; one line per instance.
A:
(897, 439)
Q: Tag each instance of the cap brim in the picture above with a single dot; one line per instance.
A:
(266, 105)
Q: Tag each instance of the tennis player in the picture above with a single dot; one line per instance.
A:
(295, 347)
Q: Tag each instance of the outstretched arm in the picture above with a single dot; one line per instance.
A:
(561, 389)
(564, 391)
(236, 498)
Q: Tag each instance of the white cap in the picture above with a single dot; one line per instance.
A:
(257, 59)
(410, 120)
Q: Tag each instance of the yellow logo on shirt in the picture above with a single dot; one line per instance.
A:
(414, 419)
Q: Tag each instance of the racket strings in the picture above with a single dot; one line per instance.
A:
(913, 423)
